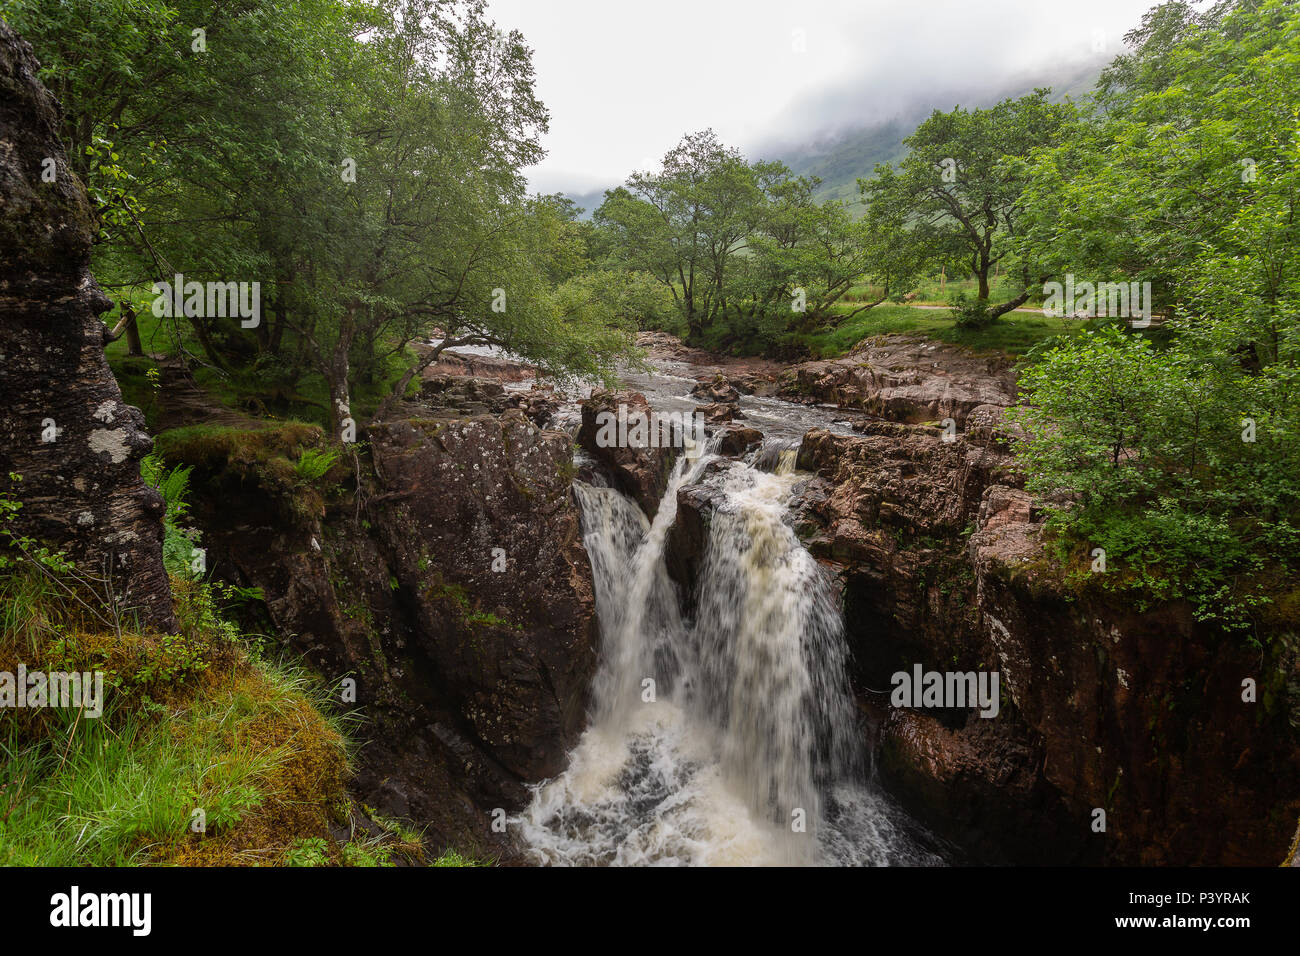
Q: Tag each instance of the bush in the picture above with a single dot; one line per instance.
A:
(971, 313)
(1181, 467)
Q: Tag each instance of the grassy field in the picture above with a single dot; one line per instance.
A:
(932, 291)
(1015, 333)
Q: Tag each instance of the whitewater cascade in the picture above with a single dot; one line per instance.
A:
(728, 740)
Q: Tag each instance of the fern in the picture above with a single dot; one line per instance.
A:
(314, 463)
(174, 485)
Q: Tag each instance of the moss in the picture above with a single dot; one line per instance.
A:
(192, 721)
(273, 457)
(484, 619)
(307, 774)
(215, 445)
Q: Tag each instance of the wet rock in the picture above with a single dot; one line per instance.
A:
(458, 396)
(684, 548)
(904, 477)
(717, 390)
(976, 783)
(987, 425)
(639, 471)
(747, 374)
(738, 440)
(719, 412)
(540, 404)
(458, 364)
(63, 424)
(907, 379)
(1139, 711)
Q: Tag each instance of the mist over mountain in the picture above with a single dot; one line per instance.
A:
(839, 155)
(839, 152)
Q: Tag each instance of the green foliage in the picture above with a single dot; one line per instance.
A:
(314, 463)
(362, 162)
(1169, 464)
(452, 857)
(309, 851)
(971, 313)
(744, 250)
(960, 194)
(179, 544)
(189, 723)
(1184, 461)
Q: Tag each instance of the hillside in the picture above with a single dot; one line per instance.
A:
(842, 158)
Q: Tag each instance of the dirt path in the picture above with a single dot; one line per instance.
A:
(182, 402)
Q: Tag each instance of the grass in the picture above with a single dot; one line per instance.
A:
(932, 291)
(456, 858)
(204, 753)
(248, 759)
(201, 752)
(1014, 333)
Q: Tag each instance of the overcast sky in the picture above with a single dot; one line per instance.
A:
(624, 80)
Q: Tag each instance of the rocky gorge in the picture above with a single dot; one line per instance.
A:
(478, 679)
(942, 560)
(439, 576)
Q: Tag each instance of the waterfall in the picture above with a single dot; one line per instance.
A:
(726, 740)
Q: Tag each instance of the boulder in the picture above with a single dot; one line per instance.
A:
(641, 472)
(717, 390)
(738, 440)
(719, 412)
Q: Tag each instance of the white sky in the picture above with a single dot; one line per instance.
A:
(625, 80)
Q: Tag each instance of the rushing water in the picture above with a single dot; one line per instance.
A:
(729, 739)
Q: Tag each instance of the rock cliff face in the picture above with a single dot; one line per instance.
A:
(455, 591)
(1142, 713)
(641, 472)
(1139, 714)
(63, 424)
(891, 512)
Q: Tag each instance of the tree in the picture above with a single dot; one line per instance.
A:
(961, 187)
(684, 224)
(359, 163)
(745, 249)
(1183, 460)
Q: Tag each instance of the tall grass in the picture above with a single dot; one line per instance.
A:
(1014, 333)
